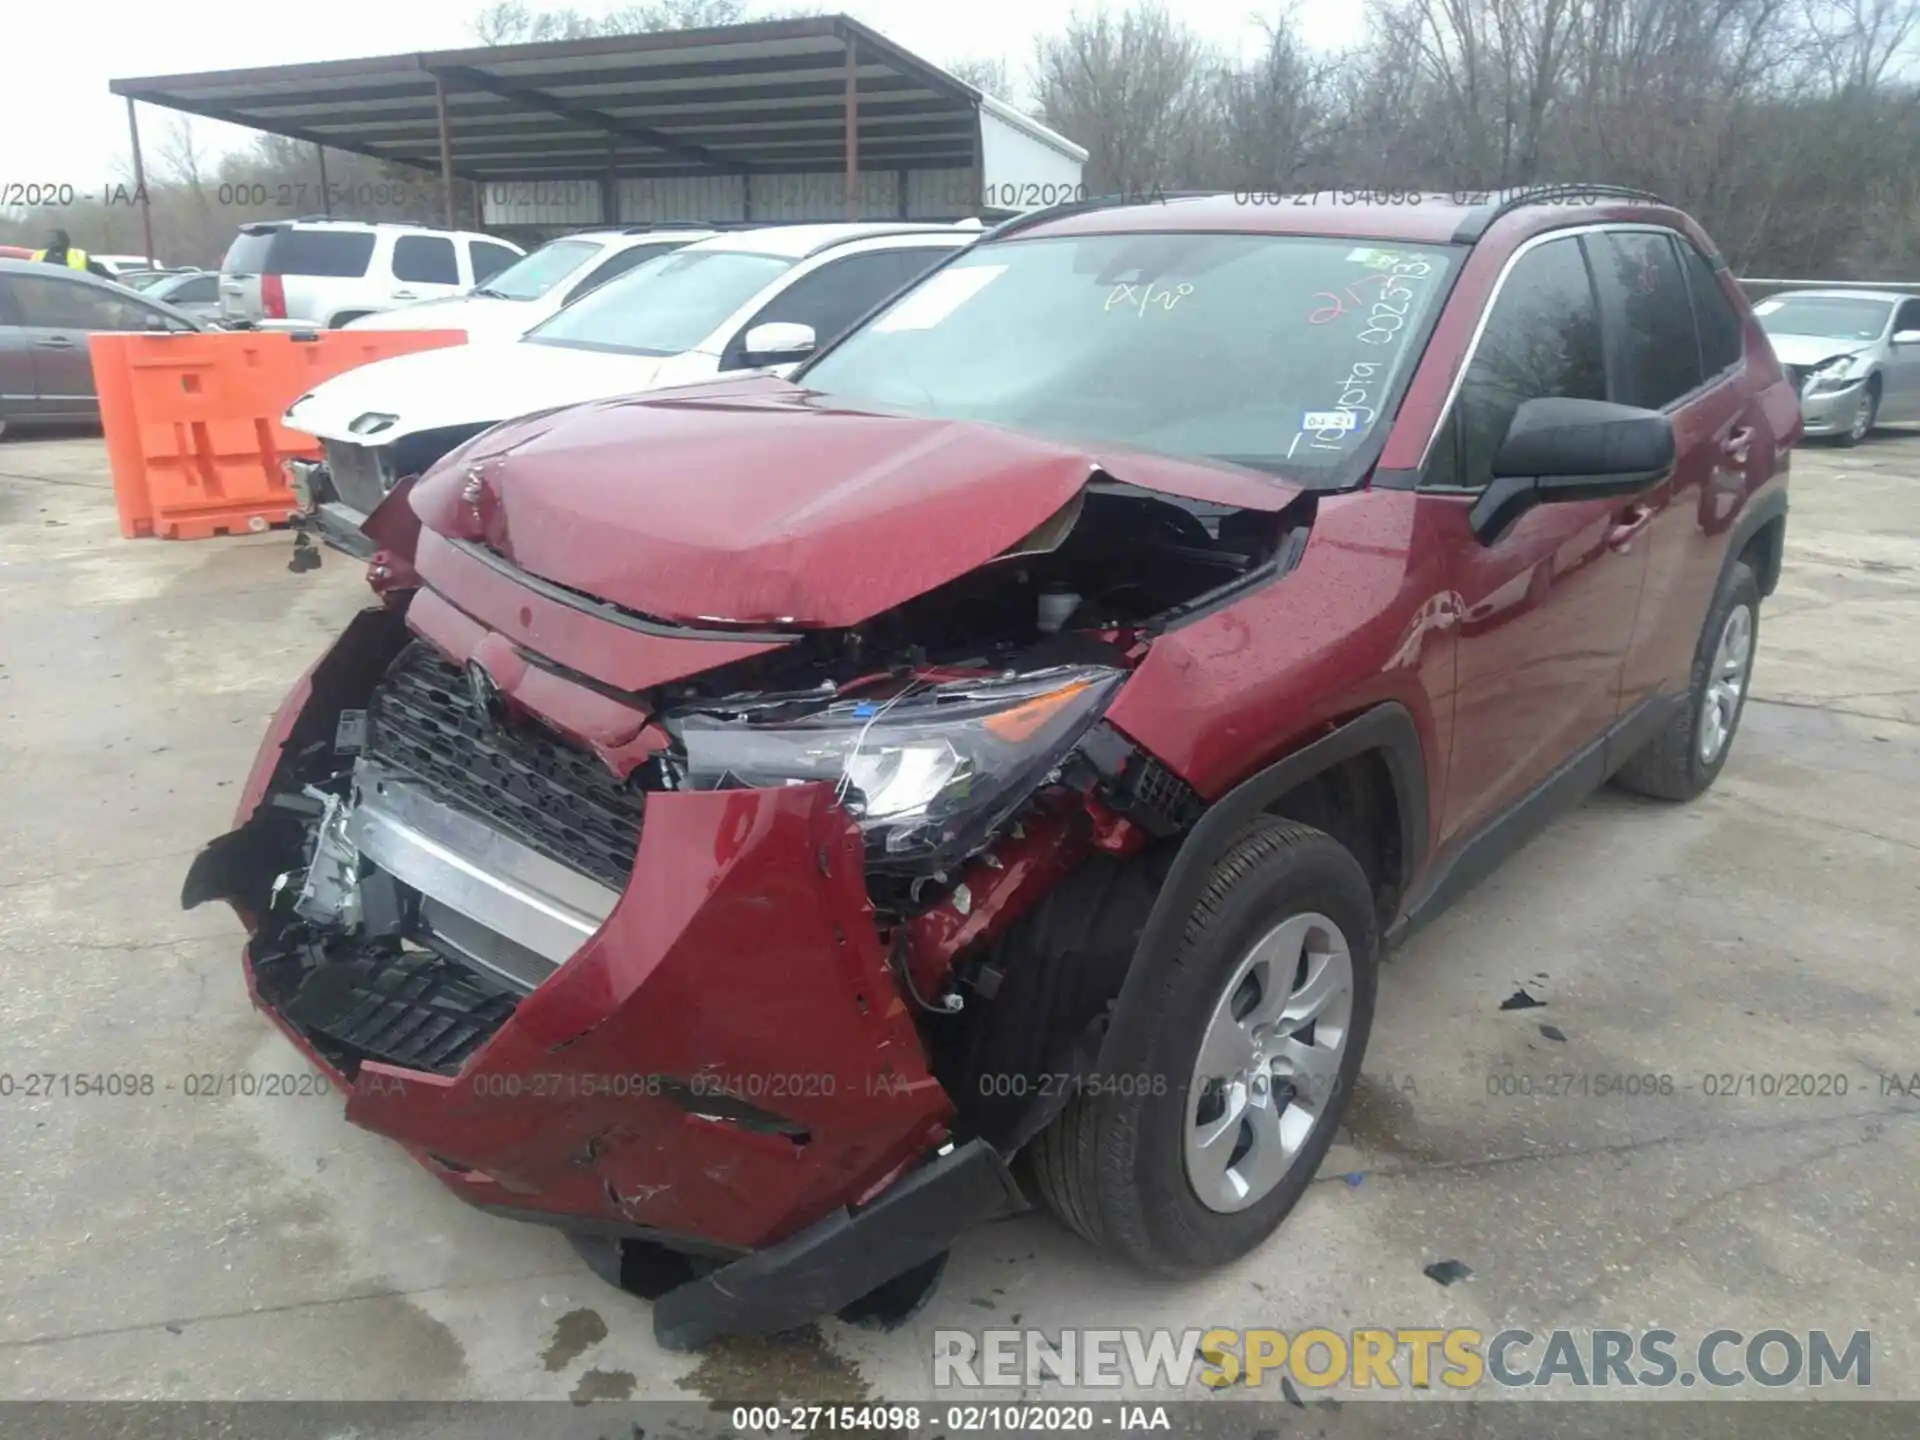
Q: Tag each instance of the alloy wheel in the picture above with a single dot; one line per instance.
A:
(1726, 682)
(1269, 1062)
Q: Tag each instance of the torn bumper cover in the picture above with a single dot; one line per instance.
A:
(690, 1034)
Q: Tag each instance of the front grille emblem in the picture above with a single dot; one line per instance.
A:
(486, 696)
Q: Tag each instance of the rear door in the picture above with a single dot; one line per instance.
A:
(1545, 612)
(1675, 344)
(834, 294)
(58, 315)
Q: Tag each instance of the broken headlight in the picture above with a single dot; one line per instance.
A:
(928, 772)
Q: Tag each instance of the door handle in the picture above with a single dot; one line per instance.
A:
(55, 342)
(1632, 520)
(404, 295)
(1734, 447)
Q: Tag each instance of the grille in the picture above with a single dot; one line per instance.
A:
(523, 779)
(410, 1009)
(357, 474)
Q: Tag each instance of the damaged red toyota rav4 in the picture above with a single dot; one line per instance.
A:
(768, 827)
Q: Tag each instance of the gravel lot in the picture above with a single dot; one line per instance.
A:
(254, 1248)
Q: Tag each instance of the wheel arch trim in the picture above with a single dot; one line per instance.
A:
(1387, 730)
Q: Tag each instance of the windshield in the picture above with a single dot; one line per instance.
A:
(1277, 352)
(532, 276)
(664, 307)
(1824, 317)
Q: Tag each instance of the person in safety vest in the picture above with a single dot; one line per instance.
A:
(61, 251)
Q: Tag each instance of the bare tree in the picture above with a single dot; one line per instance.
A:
(1136, 91)
(989, 73)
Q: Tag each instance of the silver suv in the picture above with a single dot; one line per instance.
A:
(310, 274)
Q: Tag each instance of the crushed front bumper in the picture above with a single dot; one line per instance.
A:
(711, 1053)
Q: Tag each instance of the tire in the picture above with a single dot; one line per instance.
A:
(1115, 1163)
(1870, 402)
(339, 321)
(1672, 766)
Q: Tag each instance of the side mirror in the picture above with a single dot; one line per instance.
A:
(1560, 450)
(778, 342)
(1906, 337)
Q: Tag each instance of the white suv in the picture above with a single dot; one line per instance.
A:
(747, 299)
(533, 287)
(310, 274)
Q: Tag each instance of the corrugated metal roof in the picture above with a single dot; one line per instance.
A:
(765, 98)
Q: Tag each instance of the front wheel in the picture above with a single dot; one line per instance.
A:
(1228, 1083)
(1865, 415)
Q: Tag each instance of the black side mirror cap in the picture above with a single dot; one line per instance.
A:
(1559, 450)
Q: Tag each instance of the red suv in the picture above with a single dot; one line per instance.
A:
(770, 826)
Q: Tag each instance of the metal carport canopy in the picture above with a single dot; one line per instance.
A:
(777, 97)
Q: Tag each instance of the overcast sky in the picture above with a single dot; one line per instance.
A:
(58, 124)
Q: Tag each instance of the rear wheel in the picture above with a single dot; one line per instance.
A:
(1228, 1084)
(1686, 757)
(340, 320)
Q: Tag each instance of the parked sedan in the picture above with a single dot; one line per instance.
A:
(1854, 356)
(46, 314)
(195, 291)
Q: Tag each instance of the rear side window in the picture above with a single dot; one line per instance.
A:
(489, 260)
(51, 303)
(1541, 339)
(195, 291)
(336, 253)
(248, 253)
(1723, 338)
(1645, 297)
(427, 259)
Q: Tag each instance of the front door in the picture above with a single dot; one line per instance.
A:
(1544, 612)
(1901, 400)
(56, 316)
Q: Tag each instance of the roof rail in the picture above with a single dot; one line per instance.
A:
(1480, 219)
(920, 227)
(1094, 202)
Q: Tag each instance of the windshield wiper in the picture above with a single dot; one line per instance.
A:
(491, 293)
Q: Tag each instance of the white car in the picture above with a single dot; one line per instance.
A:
(745, 300)
(122, 265)
(314, 274)
(536, 285)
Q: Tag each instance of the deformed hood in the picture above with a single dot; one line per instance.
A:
(1810, 350)
(757, 503)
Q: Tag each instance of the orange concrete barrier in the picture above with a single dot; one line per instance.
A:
(192, 421)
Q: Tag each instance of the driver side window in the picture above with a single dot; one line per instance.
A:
(1908, 317)
(1541, 339)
